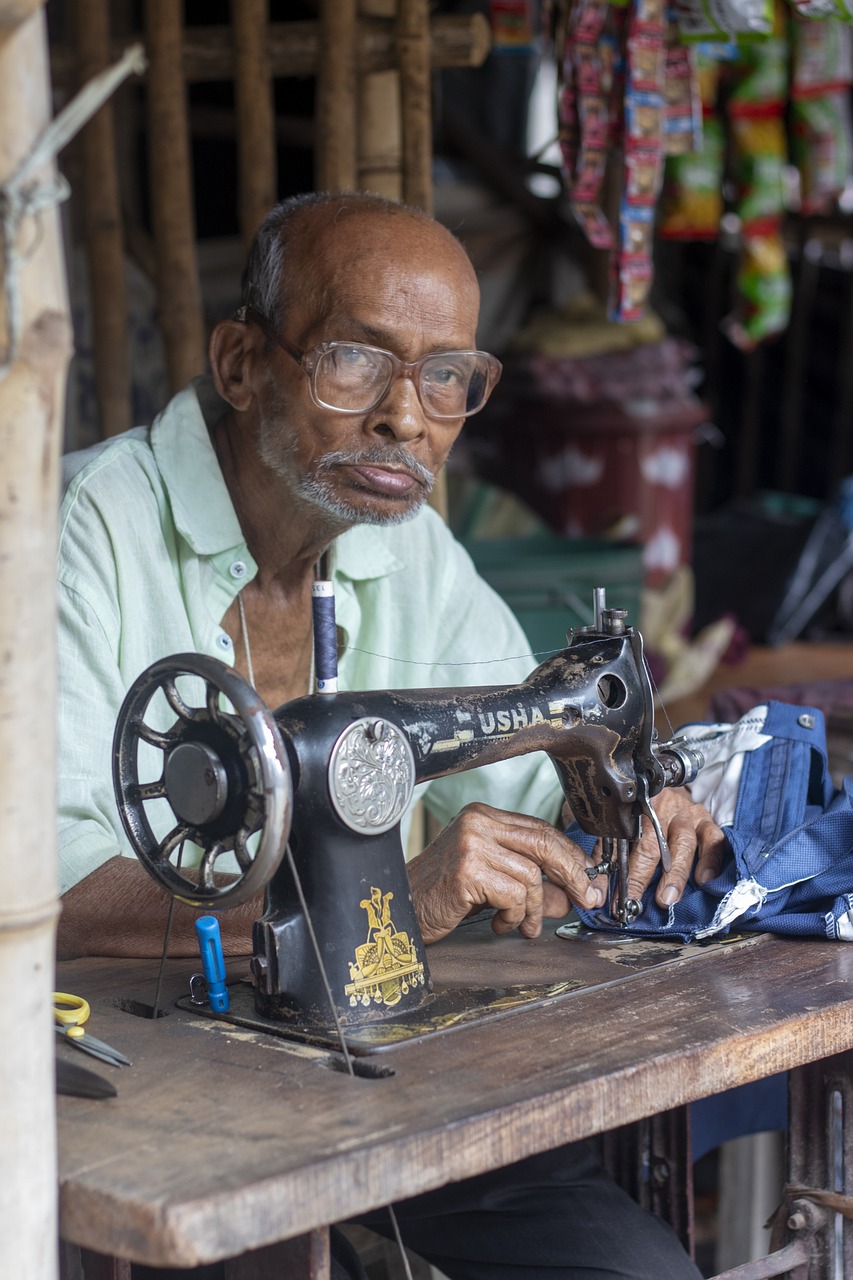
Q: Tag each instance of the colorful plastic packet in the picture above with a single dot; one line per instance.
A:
(721, 19)
(645, 64)
(821, 144)
(584, 114)
(759, 145)
(682, 114)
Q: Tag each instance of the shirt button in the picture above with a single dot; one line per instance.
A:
(238, 569)
(224, 641)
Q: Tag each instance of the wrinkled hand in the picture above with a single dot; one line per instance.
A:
(488, 857)
(693, 837)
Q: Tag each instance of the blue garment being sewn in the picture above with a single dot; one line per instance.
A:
(790, 869)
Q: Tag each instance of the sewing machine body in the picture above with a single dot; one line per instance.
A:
(349, 762)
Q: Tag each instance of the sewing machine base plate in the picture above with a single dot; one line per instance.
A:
(593, 958)
(449, 1008)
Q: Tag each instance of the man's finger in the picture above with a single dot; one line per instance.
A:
(682, 841)
(713, 848)
(558, 857)
(518, 902)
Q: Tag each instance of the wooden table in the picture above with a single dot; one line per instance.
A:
(222, 1141)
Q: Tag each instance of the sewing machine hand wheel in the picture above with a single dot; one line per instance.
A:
(224, 777)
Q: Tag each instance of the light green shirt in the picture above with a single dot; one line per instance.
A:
(151, 555)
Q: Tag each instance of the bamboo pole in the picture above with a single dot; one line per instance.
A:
(415, 101)
(172, 214)
(102, 224)
(380, 146)
(256, 134)
(335, 165)
(456, 40)
(31, 404)
(14, 12)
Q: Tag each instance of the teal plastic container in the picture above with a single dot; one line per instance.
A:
(548, 581)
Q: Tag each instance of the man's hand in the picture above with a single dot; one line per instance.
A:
(693, 837)
(489, 858)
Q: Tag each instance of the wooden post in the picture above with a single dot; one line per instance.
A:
(172, 215)
(256, 149)
(379, 126)
(415, 100)
(335, 167)
(102, 223)
(31, 406)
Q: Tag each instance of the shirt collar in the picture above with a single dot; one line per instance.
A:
(201, 504)
(180, 440)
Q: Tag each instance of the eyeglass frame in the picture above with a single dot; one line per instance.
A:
(308, 360)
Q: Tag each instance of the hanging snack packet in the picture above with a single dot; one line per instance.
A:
(820, 111)
(691, 204)
(763, 287)
(722, 19)
(759, 146)
(645, 64)
(682, 119)
(584, 115)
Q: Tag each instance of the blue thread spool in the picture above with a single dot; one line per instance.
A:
(325, 636)
(213, 962)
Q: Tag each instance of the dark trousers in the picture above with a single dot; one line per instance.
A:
(555, 1216)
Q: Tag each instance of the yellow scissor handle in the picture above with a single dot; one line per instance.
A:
(71, 1011)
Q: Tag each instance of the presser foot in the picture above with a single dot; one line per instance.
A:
(614, 863)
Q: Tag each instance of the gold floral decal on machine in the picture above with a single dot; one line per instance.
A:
(387, 964)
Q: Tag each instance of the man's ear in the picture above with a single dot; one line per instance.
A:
(232, 347)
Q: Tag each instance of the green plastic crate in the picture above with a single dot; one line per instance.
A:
(548, 581)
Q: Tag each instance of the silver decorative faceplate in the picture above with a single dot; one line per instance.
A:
(371, 775)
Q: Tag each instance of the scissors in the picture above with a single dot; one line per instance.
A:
(70, 1013)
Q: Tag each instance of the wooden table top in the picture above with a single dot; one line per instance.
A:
(222, 1140)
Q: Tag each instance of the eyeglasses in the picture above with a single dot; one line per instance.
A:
(350, 377)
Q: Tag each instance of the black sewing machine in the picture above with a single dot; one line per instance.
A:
(199, 760)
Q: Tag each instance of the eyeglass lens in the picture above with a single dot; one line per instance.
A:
(355, 378)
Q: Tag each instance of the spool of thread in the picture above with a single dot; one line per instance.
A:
(325, 636)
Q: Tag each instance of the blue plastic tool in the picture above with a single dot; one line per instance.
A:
(213, 962)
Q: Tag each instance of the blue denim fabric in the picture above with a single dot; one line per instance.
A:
(791, 847)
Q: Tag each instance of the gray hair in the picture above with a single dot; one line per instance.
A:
(267, 285)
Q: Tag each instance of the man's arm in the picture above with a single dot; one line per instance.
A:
(119, 910)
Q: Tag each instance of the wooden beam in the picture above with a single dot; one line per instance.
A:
(415, 101)
(256, 152)
(14, 12)
(335, 167)
(455, 40)
(102, 225)
(172, 213)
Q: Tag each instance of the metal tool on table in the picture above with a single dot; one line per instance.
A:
(328, 778)
(75, 1081)
(70, 1013)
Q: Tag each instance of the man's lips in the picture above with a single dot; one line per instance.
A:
(385, 480)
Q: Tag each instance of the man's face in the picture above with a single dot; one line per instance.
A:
(397, 284)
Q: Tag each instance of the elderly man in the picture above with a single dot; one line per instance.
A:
(337, 393)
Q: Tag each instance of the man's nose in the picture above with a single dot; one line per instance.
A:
(399, 412)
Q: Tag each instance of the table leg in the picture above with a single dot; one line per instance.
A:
(652, 1161)
(820, 1158)
(302, 1258)
(97, 1266)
